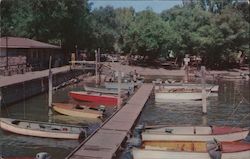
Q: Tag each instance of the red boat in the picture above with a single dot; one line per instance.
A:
(94, 97)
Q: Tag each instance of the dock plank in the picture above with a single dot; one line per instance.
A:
(106, 141)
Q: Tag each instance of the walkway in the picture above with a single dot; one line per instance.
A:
(14, 79)
(104, 143)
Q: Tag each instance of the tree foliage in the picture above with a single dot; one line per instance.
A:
(217, 30)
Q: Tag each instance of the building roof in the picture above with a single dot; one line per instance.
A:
(18, 43)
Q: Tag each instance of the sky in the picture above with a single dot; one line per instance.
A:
(138, 5)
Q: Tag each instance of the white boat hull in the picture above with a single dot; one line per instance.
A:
(197, 133)
(33, 129)
(164, 96)
(159, 154)
(146, 136)
(114, 85)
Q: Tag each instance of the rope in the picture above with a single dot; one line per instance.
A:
(243, 119)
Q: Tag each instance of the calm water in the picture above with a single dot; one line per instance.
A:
(219, 109)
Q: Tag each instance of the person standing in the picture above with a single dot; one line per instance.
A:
(186, 61)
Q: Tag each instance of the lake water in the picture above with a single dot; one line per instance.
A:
(220, 110)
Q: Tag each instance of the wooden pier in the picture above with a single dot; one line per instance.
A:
(104, 143)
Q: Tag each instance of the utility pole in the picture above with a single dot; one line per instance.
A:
(204, 93)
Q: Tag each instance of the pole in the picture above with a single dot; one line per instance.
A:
(50, 90)
(7, 54)
(76, 53)
(0, 101)
(99, 66)
(204, 94)
(96, 68)
(119, 90)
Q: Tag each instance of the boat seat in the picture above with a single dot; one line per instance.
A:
(167, 130)
(203, 130)
(42, 126)
(16, 122)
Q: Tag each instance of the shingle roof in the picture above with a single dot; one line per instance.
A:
(17, 42)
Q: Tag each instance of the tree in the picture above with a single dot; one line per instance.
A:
(147, 34)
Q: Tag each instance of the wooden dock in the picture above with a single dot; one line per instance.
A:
(19, 78)
(104, 143)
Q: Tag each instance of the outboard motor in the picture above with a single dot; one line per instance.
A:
(138, 130)
(102, 108)
(214, 149)
(134, 142)
(82, 135)
(43, 155)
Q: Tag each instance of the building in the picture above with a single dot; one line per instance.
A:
(28, 53)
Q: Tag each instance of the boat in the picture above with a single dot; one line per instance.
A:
(42, 129)
(209, 87)
(178, 94)
(77, 110)
(106, 99)
(157, 81)
(192, 150)
(41, 155)
(194, 133)
(101, 90)
(114, 85)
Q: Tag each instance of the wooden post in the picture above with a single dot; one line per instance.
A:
(204, 93)
(119, 90)
(99, 66)
(73, 59)
(50, 90)
(0, 101)
(96, 68)
(204, 120)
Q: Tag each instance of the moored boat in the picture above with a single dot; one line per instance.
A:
(102, 90)
(42, 129)
(114, 85)
(195, 133)
(77, 110)
(94, 97)
(192, 150)
(178, 94)
(209, 87)
(41, 155)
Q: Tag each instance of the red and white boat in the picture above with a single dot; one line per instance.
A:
(106, 99)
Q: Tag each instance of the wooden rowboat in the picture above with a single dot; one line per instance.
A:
(41, 155)
(114, 85)
(41, 129)
(77, 110)
(208, 87)
(195, 133)
(178, 94)
(94, 97)
(100, 90)
(192, 150)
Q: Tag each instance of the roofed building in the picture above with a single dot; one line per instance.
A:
(23, 53)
